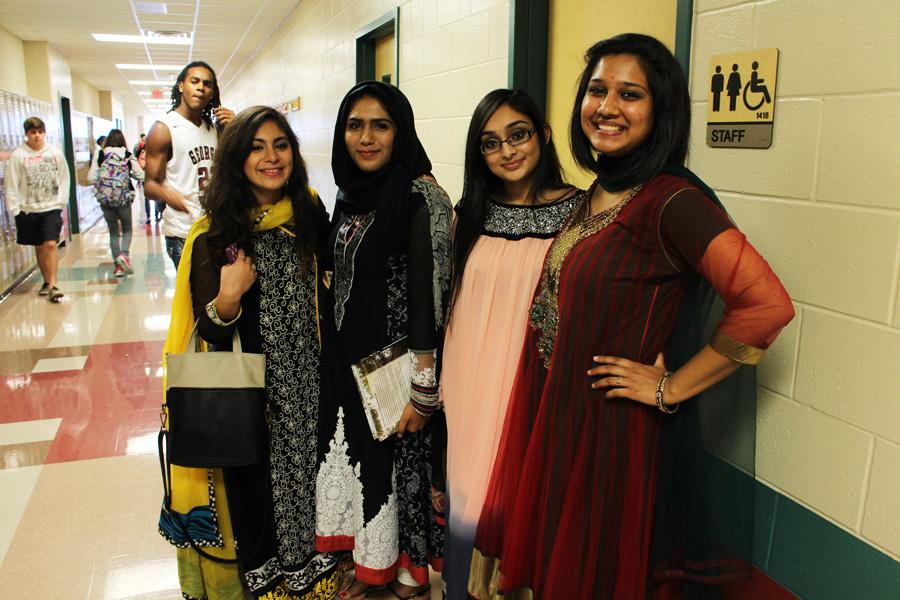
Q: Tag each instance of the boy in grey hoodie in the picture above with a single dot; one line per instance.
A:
(37, 189)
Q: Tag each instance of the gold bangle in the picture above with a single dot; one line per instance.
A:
(660, 395)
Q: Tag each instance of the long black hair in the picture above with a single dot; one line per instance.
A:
(480, 185)
(229, 198)
(668, 141)
(215, 102)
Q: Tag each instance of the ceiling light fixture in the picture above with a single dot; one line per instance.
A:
(144, 39)
(131, 67)
(153, 8)
(167, 33)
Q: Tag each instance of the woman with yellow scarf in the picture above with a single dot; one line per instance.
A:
(251, 263)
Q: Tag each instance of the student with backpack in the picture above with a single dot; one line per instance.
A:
(111, 174)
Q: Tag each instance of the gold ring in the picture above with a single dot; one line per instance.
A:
(619, 381)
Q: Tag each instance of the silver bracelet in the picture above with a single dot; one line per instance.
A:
(213, 314)
(660, 395)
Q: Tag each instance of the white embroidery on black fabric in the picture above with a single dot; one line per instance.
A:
(339, 494)
(346, 243)
(288, 324)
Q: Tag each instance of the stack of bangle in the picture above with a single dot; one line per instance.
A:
(660, 395)
(213, 315)
(424, 399)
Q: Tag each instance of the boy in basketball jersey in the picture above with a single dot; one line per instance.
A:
(179, 151)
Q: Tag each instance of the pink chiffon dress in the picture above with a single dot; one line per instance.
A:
(481, 353)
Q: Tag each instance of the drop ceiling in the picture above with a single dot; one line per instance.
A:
(226, 35)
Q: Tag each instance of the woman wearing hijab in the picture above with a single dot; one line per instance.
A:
(389, 251)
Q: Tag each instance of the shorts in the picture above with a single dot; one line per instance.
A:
(33, 229)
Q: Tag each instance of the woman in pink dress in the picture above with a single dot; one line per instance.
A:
(514, 202)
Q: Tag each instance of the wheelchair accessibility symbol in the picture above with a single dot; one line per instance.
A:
(741, 94)
(756, 85)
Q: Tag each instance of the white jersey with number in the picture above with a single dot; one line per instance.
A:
(187, 170)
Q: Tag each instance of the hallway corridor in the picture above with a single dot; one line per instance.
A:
(82, 384)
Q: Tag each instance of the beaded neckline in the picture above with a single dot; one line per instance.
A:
(544, 313)
(514, 221)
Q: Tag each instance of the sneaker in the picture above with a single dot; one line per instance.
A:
(45, 290)
(119, 272)
(55, 294)
(123, 261)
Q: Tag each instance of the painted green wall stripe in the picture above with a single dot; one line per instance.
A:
(813, 558)
(808, 555)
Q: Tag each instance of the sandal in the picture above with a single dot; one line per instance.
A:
(364, 592)
(422, 592)
(55, 294)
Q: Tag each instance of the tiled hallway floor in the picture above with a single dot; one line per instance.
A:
(81, 389)
(80, 393)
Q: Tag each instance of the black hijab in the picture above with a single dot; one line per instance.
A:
(387, 190)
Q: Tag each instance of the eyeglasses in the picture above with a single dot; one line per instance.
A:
(518, 137)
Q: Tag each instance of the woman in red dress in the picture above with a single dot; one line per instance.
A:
(615, 475)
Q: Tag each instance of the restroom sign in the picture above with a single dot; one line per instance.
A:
(741, 99)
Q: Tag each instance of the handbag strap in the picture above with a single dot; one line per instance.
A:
(166, 468)
(194, 341)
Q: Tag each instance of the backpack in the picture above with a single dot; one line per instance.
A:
(112, 187)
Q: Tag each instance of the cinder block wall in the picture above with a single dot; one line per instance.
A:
(452, 52)
(823, 206)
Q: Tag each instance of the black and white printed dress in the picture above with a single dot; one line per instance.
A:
(272, 505)
(374, 498)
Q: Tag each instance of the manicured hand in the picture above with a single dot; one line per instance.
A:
(628, 379)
